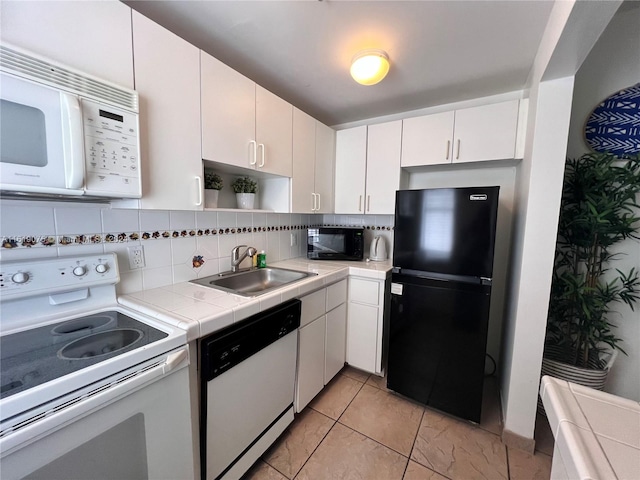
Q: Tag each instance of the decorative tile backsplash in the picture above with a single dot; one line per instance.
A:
(178, 245)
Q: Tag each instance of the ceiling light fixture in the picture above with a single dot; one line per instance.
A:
(370, 66)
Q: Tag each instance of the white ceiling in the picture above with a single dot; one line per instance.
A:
(440, 51)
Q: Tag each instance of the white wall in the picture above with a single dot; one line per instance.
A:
(571, 32)
(613, 64)
(535, 234)
(168, 260)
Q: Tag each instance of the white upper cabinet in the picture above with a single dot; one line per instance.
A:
(325, 162)
(487, 132)
(167, 73)
(228, 114)
(274, 133)
(383, 167)
(427, 140)
(313, 159)
(303, 197)
(351, 168)
(368, 168)
(93, 37)
(242, 123)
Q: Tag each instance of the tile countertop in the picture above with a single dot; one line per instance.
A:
(202, 310)
(597, 435)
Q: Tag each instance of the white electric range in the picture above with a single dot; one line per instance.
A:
(88, 388)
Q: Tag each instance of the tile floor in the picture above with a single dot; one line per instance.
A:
(356, 429)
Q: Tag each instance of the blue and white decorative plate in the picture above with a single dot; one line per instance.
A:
(614, 125)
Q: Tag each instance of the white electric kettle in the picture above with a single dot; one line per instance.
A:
(378, 252)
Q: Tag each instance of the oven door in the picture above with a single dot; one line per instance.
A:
(134, 425)
(41, 139)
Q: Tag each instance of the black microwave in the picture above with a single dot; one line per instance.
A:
(335, 243)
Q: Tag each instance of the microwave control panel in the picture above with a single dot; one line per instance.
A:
(112, 152)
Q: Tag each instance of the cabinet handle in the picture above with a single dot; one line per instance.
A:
(255, 159)
(313, 207)
(318, 208)
(261, 156)
(368, 203)
(360, 204)
(199, 182)
(458, 151)
(448, 148)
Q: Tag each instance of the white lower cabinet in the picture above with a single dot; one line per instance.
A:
(335, 342)
(365, 320)
(311, 348)
(321, 341)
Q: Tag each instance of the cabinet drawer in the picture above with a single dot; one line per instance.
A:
(313, 306)
(363, 291)
(336, 294)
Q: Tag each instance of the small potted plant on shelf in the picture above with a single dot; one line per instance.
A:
(245, 189)
(212, 186)
(599, 209)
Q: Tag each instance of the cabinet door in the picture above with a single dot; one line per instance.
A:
(486, 133)
(274, 129)
(427, 140)
(336, 294)
(324, 167)
(167, 71)
(351, 164)
(336, 341)
(228, 114)
(383, 167)
(310, 362)
(304, 153)
(313, 306)
(93, 37)
(362, 336)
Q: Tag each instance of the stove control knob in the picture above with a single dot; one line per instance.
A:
(20, 277)
(79, 271)
(101, 268)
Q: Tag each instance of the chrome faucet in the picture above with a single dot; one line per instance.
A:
(236, 258)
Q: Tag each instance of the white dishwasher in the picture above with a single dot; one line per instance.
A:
(248, 375)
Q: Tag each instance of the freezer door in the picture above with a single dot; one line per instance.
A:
(446, 230)
(437, 343)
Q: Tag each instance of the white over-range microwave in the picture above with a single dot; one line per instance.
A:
(63, 132)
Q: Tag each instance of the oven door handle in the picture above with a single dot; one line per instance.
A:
(173, 360)
(90, 398)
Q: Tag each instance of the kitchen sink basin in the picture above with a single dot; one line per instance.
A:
(251, 283)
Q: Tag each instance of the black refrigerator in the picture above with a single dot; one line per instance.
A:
(440, 296)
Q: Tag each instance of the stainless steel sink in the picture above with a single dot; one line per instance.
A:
(251, 283)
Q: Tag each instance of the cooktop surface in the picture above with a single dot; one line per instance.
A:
(34, 357)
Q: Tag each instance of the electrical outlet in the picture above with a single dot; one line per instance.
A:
(294, 240)
(136, 257)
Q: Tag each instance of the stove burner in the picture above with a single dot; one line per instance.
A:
(100, 344)
(84, 326)
(33, 357)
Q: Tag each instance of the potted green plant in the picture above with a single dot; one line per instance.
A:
(245, 189)
(599, 209)
(212, 185)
